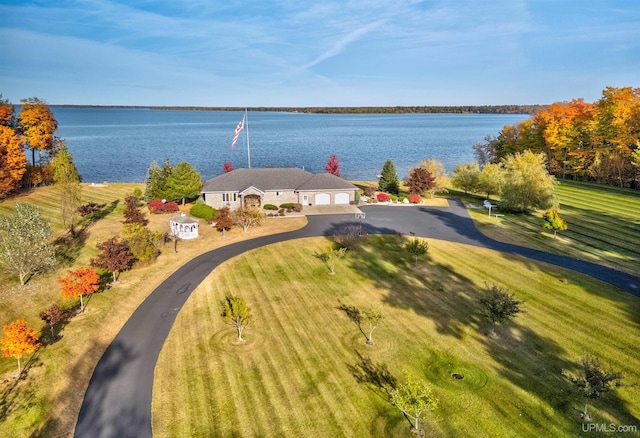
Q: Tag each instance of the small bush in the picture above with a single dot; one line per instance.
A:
(287, 205)
(297, 208)
(270, 207)
(369, 191)
(383, 197)
(414, 198)
(158, 207)
(394, 198)
(203, 211)
(351, 236)
(137, 193)
(402, 198)
(171, 207)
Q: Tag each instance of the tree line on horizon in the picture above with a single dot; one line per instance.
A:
(446, 109)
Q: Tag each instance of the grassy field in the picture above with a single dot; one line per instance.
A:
(296, 373)
(46, 401)
(604, 225)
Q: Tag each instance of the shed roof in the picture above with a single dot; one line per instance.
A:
(182, 218)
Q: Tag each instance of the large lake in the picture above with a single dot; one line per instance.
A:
(118, 145)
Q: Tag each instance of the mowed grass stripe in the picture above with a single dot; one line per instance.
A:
(430, 318)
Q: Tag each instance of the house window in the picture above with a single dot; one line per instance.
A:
(278, 193)
(229, 197)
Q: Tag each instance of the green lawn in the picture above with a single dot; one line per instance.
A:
(295, 374)
(604, 225)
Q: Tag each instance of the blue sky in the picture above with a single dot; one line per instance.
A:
(317, 53)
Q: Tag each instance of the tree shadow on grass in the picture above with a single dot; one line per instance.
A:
(375, 375)
(69, 246)
(536, 364)
(14, 398)
(435, 291)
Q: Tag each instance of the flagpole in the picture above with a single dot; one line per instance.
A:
(248, 149)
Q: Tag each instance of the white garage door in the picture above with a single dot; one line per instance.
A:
(342, 198)
(323, 199)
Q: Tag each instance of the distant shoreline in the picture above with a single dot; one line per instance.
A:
(458, 109)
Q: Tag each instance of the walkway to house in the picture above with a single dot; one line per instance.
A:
(118, 400)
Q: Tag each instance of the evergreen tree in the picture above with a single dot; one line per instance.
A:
(183, 182)
(388, 181)
(155, 184)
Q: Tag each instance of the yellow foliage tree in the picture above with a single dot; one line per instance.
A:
(13, 162)
(38, 125)
(19, 340)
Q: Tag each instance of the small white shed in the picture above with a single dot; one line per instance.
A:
(183, 226)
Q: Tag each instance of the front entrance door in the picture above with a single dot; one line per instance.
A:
(305, 199)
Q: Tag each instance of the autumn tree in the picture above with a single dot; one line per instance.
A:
(465, 177)
(498, 305)
(38, 126)
(114, 257)
(388, 180)
(330, 256)
(25, 247)
(413, 398)
(228, 167)
(236, 312)
(333, 167)
(143, 243)
(527, 184)
(19, 340)
(593, 380)
(248, 217)
(439, 174)
(82, 281)
(132, 213)
(416, 248)
(6, 112)
(13, 161)
(67, 183)
(183, 182)
(552, 221)
(224, 221)
(491, 179)
(420, 180)
(52, 316)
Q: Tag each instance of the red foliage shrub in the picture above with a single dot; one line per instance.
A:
(383, 197)
(170, 207)
(414, 198)
(158, 207)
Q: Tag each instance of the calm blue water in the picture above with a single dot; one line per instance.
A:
(118, 145)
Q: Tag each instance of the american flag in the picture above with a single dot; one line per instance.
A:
(236, 133)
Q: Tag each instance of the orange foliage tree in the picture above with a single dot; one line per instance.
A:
(6, 111)
(82, 281)
(13, 162)
(19, 340)
(38, 125)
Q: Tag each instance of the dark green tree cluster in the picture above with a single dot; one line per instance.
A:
(172, 183)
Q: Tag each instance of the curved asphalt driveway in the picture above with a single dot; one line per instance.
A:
(118, 400)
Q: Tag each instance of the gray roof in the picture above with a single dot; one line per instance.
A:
(271, 179)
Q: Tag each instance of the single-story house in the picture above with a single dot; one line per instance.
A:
(261, 186)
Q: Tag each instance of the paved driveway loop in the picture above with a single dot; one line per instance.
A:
(118, 400)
